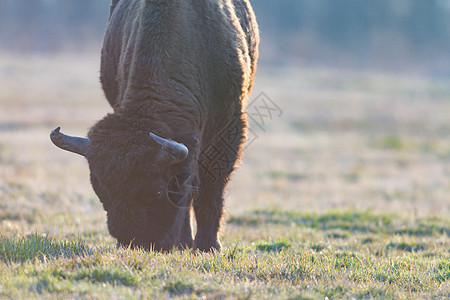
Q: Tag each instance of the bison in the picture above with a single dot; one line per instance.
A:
(177, 74)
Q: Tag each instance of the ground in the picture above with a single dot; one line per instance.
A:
(343, 192)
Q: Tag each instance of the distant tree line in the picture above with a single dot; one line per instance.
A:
(384, 33)
(357, 33)
(52, 25)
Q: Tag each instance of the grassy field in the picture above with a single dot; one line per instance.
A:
(345, 193)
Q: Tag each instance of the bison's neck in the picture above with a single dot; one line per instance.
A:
(164, 120)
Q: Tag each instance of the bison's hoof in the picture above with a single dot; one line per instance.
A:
(213, 247)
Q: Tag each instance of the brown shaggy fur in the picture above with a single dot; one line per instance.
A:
(182, 69)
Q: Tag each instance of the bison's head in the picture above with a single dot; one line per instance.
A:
(131, 170)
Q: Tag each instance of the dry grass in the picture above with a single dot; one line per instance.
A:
(351, 140)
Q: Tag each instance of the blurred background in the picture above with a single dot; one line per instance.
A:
(347, 164)
(361, 91)
(405, 35)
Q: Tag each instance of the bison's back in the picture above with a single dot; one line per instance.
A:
(198, 55)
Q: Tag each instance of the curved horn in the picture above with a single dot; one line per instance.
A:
(173, 152)
(70, 143)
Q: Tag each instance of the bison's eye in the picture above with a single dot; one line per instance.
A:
(154, 197)
(150, 199)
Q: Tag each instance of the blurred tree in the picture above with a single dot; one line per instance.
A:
(423, 24)
(352, 33)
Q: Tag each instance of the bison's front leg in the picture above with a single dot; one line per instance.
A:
(215, 166)
(186, 240)
(208, 213)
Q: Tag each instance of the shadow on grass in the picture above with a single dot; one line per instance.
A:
(273, 246)
(101, 274)
(352, 221)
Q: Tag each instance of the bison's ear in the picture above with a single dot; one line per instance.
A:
(70, 143)
(171, 152)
